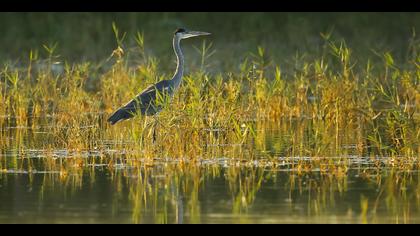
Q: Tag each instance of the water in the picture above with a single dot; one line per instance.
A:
(208, 193)
(53, 186)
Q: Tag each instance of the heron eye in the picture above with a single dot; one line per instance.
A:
(180, 30)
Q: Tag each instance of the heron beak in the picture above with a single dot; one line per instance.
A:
(195, 33)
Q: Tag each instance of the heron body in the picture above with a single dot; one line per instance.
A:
(151, 100)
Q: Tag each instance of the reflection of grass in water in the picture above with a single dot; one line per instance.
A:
(325, 107)
(170, 193)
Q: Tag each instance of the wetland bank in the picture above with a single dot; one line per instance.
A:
(316, 121)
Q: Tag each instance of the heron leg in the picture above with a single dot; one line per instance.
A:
(154, 134)
(155, 124)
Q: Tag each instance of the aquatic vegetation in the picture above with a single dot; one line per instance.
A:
(324, 106)
(308, 129)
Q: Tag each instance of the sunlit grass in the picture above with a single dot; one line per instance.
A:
(324, 105)
(302, 123)
(246, 126)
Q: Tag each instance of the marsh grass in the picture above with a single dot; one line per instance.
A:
(309, 124)
(329, 106)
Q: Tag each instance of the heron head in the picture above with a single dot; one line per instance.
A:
(184, 34)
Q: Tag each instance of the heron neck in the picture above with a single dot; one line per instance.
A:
(176, 80)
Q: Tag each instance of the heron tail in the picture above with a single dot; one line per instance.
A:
(119, 115)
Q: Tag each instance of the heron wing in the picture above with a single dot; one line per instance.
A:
(146, 100)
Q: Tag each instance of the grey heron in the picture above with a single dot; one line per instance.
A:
(147, 102)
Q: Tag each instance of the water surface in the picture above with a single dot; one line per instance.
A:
(53, 186)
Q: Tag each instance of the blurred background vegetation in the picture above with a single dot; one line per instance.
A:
(89, 36)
